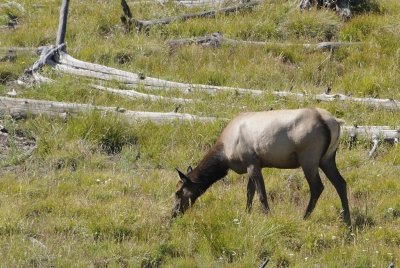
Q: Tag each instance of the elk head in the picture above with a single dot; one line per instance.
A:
(186, 193)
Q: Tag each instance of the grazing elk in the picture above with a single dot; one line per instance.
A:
(285, 139)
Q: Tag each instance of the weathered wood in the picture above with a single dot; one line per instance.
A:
(144, 25)
(217, 39)
(187, 3)
(47, 54)
(68, 64)
(21, 107)
(197, 3)
(138, 95)
(375, 142)
(371, 132)
(374, 133)
(62, 26)
(381, 103)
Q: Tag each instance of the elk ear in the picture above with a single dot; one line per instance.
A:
(189, 169)
(183, 177)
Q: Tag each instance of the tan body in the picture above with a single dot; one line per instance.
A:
(277, 138)
(286, 139)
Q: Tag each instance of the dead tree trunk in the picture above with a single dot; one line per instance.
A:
(62, 26)
(126, 19)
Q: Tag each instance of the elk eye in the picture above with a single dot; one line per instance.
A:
(178, 194)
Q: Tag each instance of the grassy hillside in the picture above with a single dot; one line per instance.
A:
(97, 191)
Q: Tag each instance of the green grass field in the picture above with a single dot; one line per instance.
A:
(98, 192)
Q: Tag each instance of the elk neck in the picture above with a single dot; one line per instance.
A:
(212, 168)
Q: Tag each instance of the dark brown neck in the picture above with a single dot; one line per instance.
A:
(212, 168)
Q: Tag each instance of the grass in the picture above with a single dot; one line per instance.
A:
(97, 191)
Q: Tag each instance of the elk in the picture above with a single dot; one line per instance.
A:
(284, 139)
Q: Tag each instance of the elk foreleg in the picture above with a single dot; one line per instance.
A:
(258, 180)
(251, 189)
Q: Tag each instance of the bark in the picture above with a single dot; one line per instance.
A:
(22, 107)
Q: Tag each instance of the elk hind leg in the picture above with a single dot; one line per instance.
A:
(315, 184)
(332, 173)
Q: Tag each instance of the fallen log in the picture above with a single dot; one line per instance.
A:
(198, 3)
(217, 39)
(376, 134)
(186, 3)
(20, 108)
(370, 132)
(145, 25)
(70, 65)
(380, 103)
(138, 95)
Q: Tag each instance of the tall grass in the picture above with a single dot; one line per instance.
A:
(97, 191)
